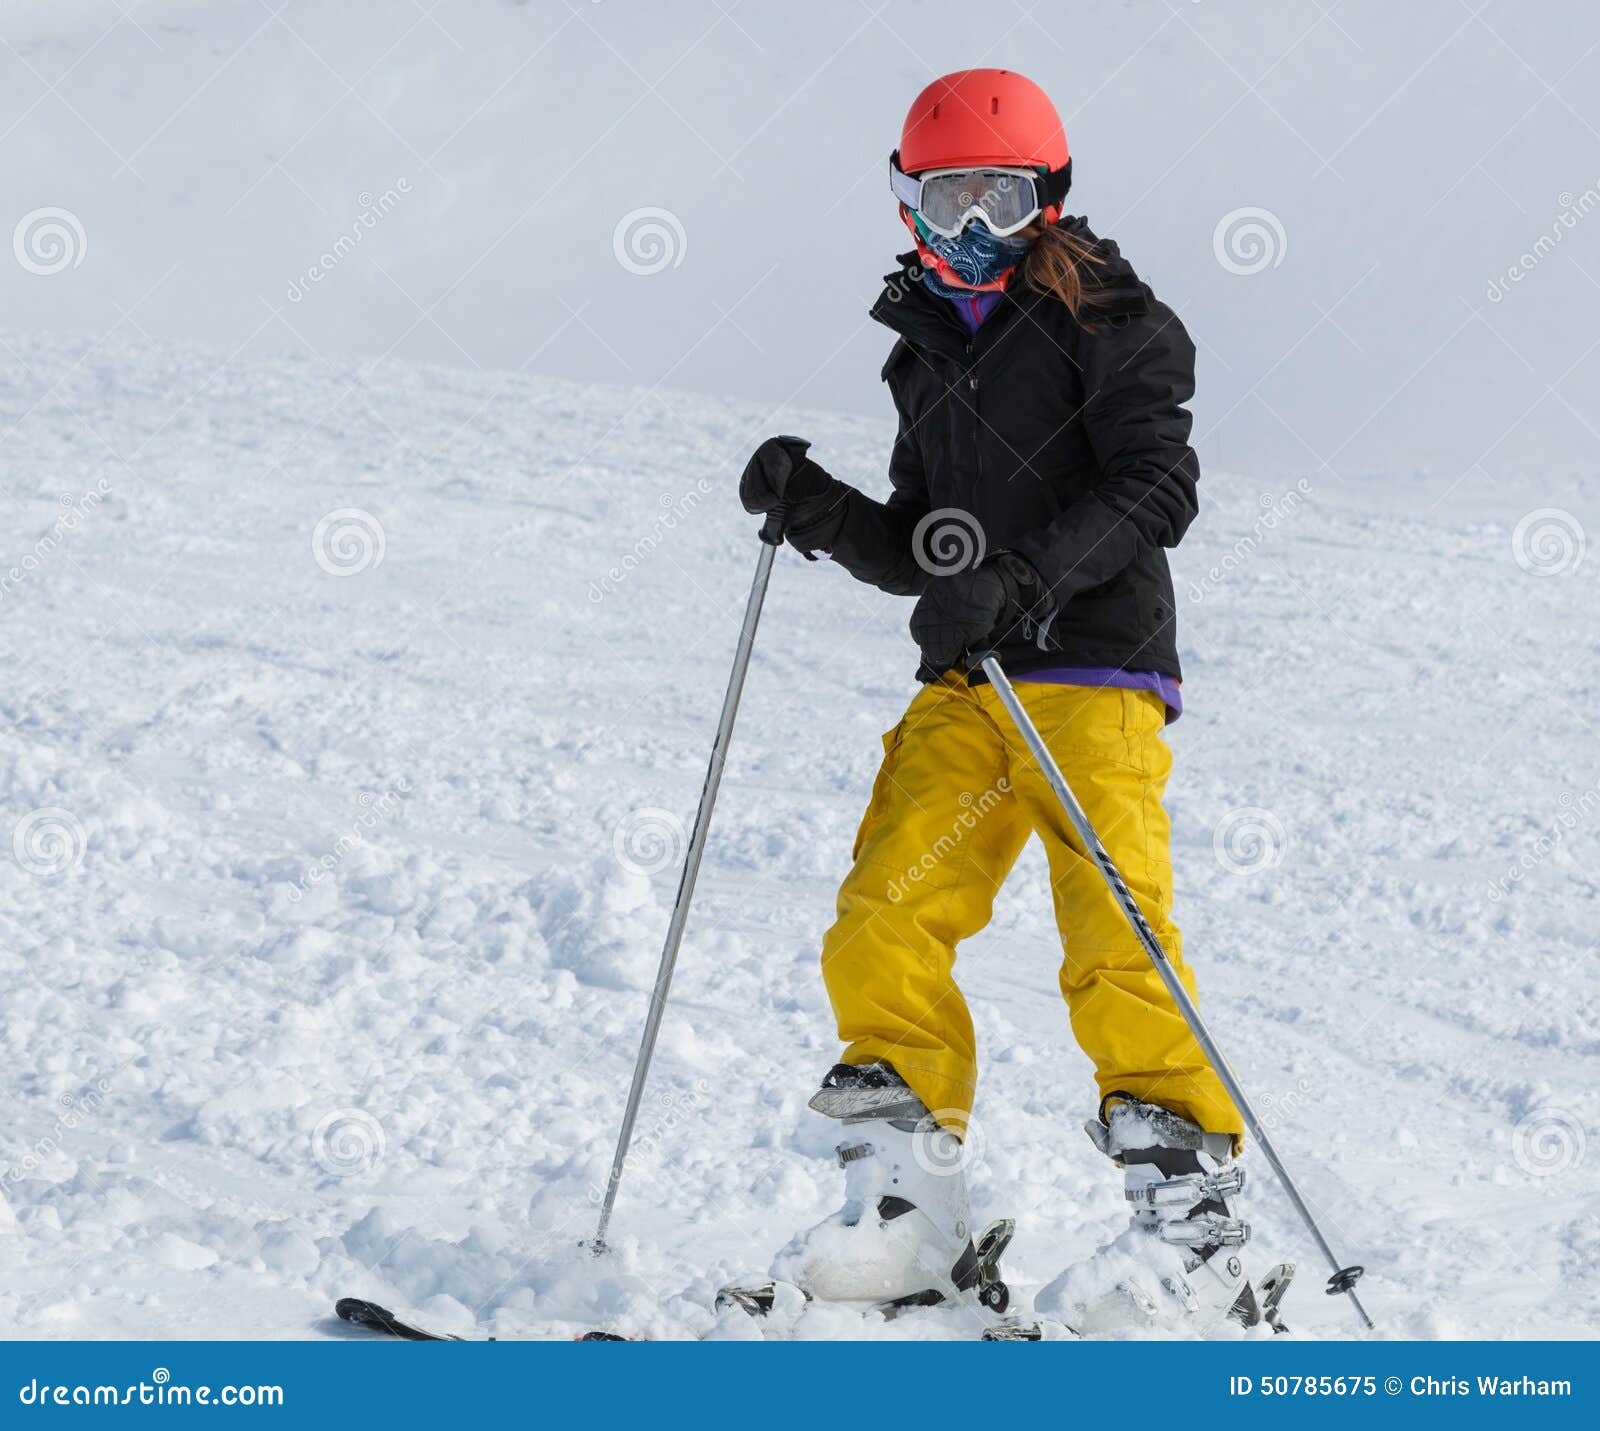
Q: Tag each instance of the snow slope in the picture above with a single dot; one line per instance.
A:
(333, 899)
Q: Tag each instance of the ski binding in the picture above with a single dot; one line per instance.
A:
(783, 1302)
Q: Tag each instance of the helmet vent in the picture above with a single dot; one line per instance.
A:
(994, 105)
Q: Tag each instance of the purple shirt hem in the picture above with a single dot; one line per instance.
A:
(1153, 681)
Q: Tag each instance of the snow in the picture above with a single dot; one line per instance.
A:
(339, 871)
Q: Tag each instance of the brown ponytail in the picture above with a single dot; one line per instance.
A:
(1055, 265)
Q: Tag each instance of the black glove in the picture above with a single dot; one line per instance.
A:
(968, 610)
(779, 474)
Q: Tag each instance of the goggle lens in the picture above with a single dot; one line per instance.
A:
(1004, 199)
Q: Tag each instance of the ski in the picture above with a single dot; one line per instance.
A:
(373, 1318)
(1263, 1306)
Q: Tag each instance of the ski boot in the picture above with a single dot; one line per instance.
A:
(904, 1235)
(1178, 1265)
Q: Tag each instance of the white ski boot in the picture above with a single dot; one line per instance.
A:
(1178, 1266)
(904, 1235)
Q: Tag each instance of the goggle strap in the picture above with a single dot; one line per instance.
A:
(1053, 185)
(906, 189)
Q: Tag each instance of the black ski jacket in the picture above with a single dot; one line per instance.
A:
(1066, 445)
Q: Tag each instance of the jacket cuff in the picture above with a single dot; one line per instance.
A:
(1026, 588)
(819, 527)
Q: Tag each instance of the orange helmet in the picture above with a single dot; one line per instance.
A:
(977, 117)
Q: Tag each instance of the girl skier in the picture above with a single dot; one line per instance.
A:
(1040, 468)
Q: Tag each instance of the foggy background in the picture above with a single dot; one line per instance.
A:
(481, 159)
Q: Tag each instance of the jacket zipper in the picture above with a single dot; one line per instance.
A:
(972, 402)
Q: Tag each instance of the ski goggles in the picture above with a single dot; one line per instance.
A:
(1007, 199)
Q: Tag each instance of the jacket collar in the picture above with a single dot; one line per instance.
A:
(925, 320)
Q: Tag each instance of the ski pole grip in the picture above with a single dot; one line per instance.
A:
(975, 660)
(772, 528)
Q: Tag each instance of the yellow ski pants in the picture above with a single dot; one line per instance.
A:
(956, 798)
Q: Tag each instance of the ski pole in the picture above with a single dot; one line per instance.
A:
(1344, 1278)
(771, 538)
